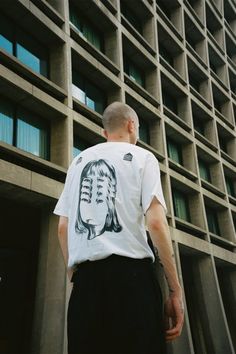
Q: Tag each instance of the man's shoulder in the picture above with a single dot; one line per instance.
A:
(129, 151)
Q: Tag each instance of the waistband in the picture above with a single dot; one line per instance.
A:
(113, 260)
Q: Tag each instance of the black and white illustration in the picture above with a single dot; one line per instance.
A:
(96, 208)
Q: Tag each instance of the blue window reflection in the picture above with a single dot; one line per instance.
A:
(32, 135)
(6, 122)
(24, 46)
(21, 128)
(28, 58)
(79, 145)
(6, 44)
(87, 93)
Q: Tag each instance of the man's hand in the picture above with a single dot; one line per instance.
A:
(174, 316)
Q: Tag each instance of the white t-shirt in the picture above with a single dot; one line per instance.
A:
(108, 189)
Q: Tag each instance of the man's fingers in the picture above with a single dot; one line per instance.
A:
(174, 332)
(174, 318)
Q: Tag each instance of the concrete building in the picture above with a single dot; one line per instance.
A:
(61, 63)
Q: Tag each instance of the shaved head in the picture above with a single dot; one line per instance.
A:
(116, 115)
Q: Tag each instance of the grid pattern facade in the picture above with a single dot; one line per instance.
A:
(174, 62)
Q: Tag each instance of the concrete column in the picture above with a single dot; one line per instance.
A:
(211, 312)
(184, 343)
(49, 313)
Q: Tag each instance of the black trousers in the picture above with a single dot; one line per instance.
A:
(115, 308)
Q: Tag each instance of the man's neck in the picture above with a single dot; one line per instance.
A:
(118, 139)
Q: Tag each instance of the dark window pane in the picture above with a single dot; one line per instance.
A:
(87, 93)
(174, 151)
(199, 126)
(190, 40)
(134, 72)
(204, 170)
(165, 54)
(6, 121)
(144, 131)
(31, 53)
(86, 29)
(129, 15)
(217, 104)
(194, 82)
(78, 87)
(6, 35)
(170, 102)
(230, 186)
(94, 98)
(212, 221)
(74, 18)
(164, 7)
(223, 144)
(79, 145)
(32, 134)
(181, 206)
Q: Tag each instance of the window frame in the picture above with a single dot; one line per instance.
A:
(128, 65)
(83, 23)
(172, 144)
(230, 187)
(177, 194)
(203, 167)
(17, 38)
(84, 143)
(214, 217)
(45, 124)
(85, 83)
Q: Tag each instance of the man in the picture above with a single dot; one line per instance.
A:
(116, 305)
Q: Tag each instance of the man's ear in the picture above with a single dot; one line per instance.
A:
(130, 126)
(105, 133)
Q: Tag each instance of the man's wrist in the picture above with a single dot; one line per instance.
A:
(176, 291)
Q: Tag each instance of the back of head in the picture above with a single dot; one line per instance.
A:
(115, 116)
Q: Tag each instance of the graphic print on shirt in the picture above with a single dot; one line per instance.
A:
(96, 208)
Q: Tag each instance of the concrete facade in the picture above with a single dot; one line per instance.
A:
(200, 38)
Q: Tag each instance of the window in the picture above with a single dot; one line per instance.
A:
(87, 93)
(134, 72)
(217, 104)
(87, 30)
(212, 221)
(170, 102)
(199, 126)
(212, 66)
(223, 144)
(230, 186)
(144, 131)
(194, 82)
(79, 145)
(32, 134)
(174, 151)
(165, 54)
(6, 121)
(181, 208)
(23, 129)
(23, 46)
(129, 15)
(204, 170)
(6, 35)
(165, 8)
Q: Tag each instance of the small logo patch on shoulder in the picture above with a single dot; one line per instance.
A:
(79, 160)
(128, 157)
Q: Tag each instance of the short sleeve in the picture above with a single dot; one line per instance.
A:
(63, 205)
(151, 183)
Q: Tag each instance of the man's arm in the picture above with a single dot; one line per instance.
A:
(160, 235)
(62, 236)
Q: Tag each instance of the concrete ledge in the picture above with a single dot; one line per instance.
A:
(32, 181)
